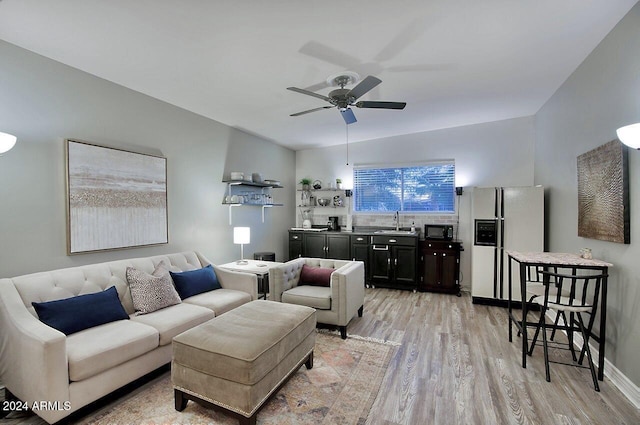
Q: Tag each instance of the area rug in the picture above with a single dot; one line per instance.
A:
(340, 389)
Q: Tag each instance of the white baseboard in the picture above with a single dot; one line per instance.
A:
(619, 379)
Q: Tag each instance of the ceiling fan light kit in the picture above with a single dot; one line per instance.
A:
(343, 99)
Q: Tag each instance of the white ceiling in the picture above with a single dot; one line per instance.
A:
(455, 62)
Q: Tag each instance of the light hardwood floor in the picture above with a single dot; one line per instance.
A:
(455, 365)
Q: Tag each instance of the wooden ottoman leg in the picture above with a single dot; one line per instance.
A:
(243, 420)
(309, 362)
(180, 399)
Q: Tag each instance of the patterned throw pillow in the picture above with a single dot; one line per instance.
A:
(151, 292)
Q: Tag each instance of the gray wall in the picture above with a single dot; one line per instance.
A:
(602, 95)
(43, 102)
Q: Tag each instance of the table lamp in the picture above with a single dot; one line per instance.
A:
(241, 236)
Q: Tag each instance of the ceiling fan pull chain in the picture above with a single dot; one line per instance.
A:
(347, 127)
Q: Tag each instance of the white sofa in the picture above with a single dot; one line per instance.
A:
(335, 305)
(41, 364)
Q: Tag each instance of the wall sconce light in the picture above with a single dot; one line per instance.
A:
(7, 141)
(459, 190)
(241, 236)
(630, 135)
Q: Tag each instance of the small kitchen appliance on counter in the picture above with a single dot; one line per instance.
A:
(438, 231)
(332, 224)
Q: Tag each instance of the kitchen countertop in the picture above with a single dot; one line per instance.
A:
(360, 231)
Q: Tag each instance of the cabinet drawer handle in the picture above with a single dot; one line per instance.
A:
(435, 253)
(444, 255)
(359, 239)
(392, 240)
(295, 237)
(395, 262)
(381, 248)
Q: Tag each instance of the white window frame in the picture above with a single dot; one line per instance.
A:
(402, 190)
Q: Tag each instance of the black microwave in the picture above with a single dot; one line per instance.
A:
(438, 231)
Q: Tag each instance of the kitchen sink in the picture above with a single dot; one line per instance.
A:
(394, 232)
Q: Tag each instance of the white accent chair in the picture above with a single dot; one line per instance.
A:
(335, 305)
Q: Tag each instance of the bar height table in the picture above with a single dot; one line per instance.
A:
(551, 260)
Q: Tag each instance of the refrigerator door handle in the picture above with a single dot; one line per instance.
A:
(495, 272)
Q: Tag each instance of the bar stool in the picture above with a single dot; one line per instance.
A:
(572, 295)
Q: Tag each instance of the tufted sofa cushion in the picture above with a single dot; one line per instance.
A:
(66, 283)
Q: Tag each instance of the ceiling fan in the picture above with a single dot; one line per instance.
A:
(343, 98)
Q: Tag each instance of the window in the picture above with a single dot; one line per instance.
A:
(428, 187)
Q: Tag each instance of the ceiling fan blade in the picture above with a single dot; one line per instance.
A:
(348, 116)
(330, 55)
(364, 86)
(310, 110)
(315, 87)
(310, 93)
(380, 105)
(404, 38)
(422, 67)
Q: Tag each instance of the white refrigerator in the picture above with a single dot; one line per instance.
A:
(504, 218)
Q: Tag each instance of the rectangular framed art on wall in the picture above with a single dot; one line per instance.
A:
(115, 198)
(603, 193)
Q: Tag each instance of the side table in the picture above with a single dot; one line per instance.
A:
(259, 268)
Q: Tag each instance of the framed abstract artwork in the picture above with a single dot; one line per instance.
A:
(603, 193)
(115, 198)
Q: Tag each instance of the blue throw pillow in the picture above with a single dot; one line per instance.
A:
(195, 282)
(74, 314)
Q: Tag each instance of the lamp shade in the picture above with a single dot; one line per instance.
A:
(7, 141)
(241, 235)
(630, 135)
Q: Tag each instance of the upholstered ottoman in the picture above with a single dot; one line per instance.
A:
(238, 360)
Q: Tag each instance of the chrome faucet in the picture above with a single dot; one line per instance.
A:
(396, 219)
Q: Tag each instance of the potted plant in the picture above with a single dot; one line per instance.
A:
(305, 183)
(338, 183)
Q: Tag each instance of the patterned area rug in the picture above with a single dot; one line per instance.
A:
(340, 389)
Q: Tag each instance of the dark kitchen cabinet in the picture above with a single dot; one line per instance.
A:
(440, 266)
(326, 245)
(338, 246)
(390, 261)
(394, 262)
(295, 245)
(360, 252)
(315, 245)
(319, 245)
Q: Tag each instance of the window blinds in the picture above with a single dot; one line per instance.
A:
(428, 187)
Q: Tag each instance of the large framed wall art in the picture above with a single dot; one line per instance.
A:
(115, 198)
(603, 193)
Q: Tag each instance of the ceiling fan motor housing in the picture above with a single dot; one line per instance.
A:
(344, 98)
(341, 99)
